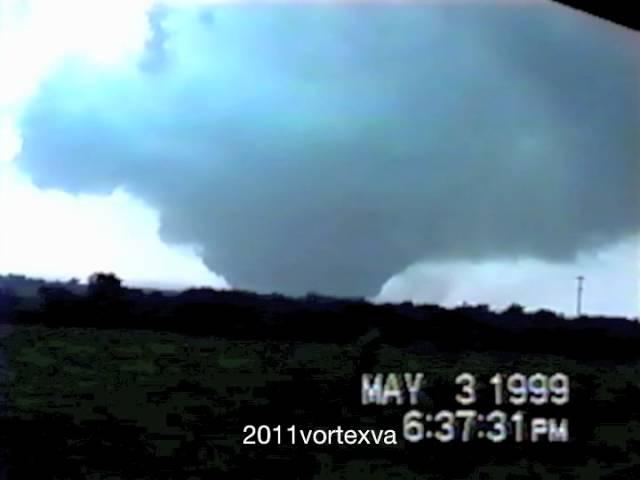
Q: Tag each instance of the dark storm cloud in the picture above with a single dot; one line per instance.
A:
(326, 148)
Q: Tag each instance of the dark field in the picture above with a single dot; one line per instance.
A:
(133, 404)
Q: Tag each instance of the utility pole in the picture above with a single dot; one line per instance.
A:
(580, 288)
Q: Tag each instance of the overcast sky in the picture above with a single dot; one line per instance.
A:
(433, 152)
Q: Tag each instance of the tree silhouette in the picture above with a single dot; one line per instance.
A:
(105, 285)
(515, 309)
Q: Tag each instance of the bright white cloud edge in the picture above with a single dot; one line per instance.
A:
(55, 235)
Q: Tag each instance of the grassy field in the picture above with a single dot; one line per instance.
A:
(107, 404)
